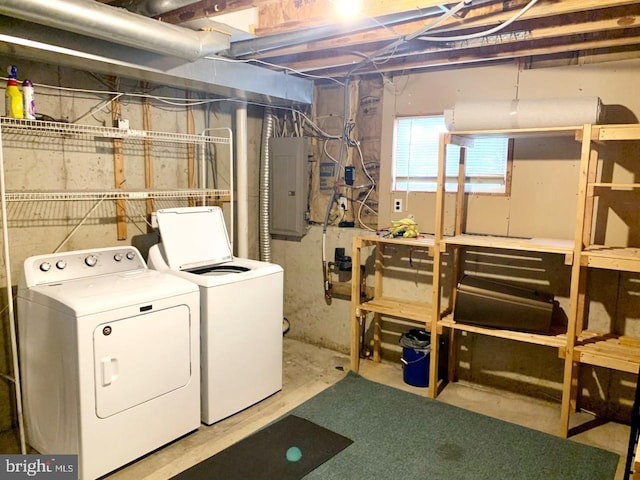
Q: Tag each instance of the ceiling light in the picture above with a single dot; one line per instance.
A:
(347, 8)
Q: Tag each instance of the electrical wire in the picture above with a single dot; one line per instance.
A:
(177, 101)
(273, 65)
(392, 47)
(345, 129)
(373, 186)
(484, 33)
(102, 105)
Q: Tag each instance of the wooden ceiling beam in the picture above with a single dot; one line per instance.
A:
(530, 52)
(548, 35)
(490, 55)
(550, 28)
(274, 13)
(287, 15)
(482, 18)
(477, 16)
(556, 27)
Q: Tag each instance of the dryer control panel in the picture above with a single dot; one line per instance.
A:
(65, 266)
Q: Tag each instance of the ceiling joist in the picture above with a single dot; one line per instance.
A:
(551, 28)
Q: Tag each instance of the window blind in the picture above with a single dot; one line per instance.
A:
(415, 158)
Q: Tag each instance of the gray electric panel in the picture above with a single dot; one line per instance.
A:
(289, 186)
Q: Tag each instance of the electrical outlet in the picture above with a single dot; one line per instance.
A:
(397, 205)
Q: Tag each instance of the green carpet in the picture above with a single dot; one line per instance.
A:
(402, 436)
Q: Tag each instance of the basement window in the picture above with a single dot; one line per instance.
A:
(415, 159)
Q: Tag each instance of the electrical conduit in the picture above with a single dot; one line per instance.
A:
(265, 169)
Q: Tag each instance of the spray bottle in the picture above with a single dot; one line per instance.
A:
(13, 97)
(29, 100)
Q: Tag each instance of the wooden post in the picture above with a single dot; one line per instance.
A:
(377, 293)
(355, 301)
(148, 160)
(190, 151)
(576, 296)
(437, 254)
(456, 260)
(118, 169)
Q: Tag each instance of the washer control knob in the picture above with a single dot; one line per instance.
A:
(61, 264)
(91, 261)
(131, 255)
(45, 266)
(117, 257)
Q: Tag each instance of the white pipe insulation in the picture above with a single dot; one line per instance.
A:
(526, 113)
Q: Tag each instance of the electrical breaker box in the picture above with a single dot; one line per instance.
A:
(289, 177)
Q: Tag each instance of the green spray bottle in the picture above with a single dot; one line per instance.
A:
(13, 97)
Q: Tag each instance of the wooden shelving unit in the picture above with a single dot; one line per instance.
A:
(380, 304)
(575, 344)
(603, 349)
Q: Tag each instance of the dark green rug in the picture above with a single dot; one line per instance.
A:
(402, 436)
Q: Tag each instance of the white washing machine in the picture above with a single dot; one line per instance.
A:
(241, 308)
(110, 356)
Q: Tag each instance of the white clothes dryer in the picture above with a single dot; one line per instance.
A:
(241, 308)
(110, 356)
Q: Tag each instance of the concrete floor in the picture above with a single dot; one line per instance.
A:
(309, 370)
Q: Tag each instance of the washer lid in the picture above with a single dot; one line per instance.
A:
(194, 236)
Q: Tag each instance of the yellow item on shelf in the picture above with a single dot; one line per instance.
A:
(13, 97)
(406, 227)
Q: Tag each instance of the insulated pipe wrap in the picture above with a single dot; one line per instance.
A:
(514, 114)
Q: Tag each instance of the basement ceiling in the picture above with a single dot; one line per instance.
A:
(307, 37)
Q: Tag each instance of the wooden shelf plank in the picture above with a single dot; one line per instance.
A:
(616, 132)
(545, 245)
(612, 258)
(609, 351)
(419, 311)
(571, 131)
(421, 241)
(614, 186)
(557, 340)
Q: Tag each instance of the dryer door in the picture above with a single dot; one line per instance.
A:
(140, 358)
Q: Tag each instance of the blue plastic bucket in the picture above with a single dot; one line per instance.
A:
(415, 357)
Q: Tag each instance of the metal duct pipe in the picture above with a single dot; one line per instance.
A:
(115, 25)
(153, 8)
(288, 39)
(265, 183)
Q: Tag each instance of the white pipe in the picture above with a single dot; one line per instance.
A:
(242, 181)
(204, 178)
